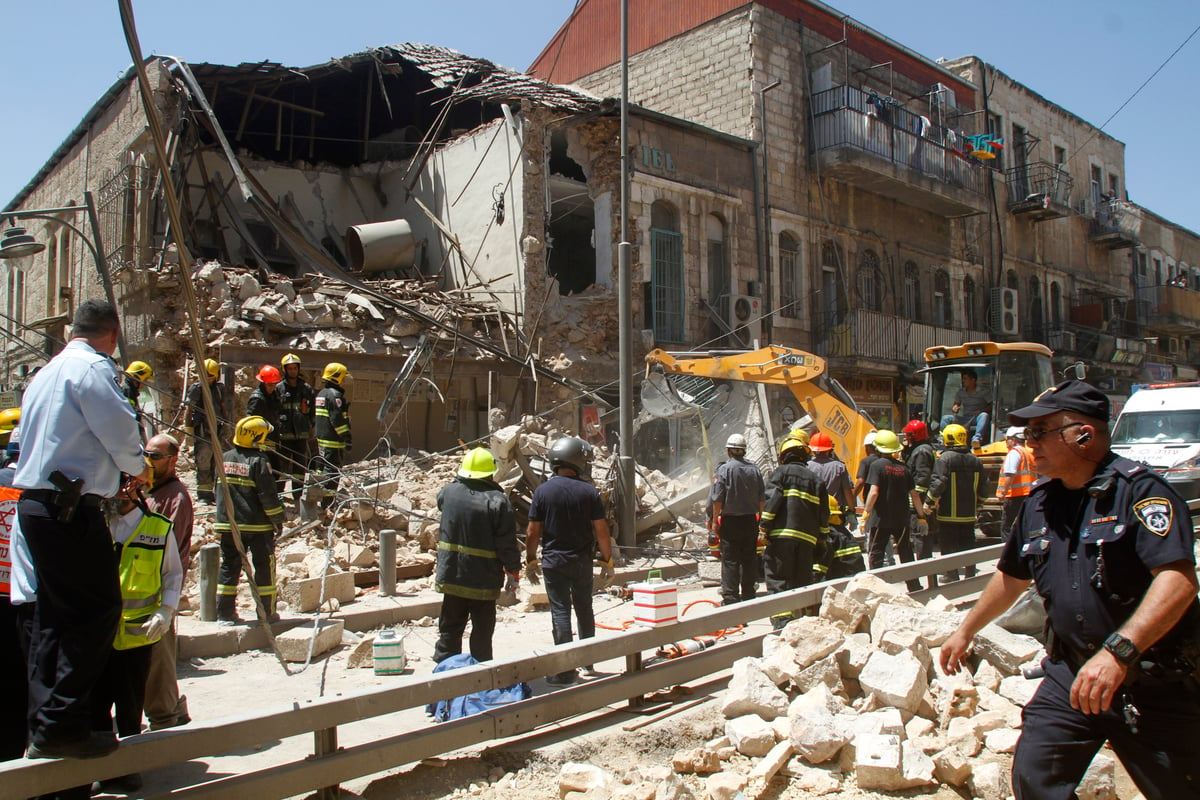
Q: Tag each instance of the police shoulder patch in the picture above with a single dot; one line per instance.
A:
(1156, 513)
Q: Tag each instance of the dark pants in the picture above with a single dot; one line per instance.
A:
(877, 546)
(739, 572)
(957, 537)
(1058, 743)
(205, 456)
(75, 620)
(14, 699)
(1008, 517)
(568, 588)
(293, 462)
(452, 622)
(923, 546)
(121, 693)
(261, 548)
(327, 469)
(788, 562)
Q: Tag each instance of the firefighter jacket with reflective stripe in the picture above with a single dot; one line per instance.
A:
(332, 418)
(797, 505)
(256, 506)
(920, 463)
(142, 561)
(840, 556)
(477, 539)
(196, 419)
(297, 406)
(956, 484)
(1016, 482)
(262, 403)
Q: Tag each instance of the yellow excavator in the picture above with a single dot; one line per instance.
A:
(706, 385)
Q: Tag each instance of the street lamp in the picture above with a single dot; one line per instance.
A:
(17, 243)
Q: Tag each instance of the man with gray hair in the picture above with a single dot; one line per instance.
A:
(738, 495)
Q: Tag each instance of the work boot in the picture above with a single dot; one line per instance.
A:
(563, 678)
(227, 610)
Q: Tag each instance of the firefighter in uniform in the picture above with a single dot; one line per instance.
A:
(840, 555)
(919, 456)
(259, 518)
(206, 447)
(737, 498)
(136, 374)
(332, 427)
(1016, 478)
(1109, 545)
(955, 491)
(264, 402)
(297, 407)
(795, 520)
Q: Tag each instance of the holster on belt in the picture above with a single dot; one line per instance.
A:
(70, 492)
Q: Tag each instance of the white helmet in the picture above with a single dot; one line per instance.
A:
(1014, 432)
(736, 442)
(869, 439)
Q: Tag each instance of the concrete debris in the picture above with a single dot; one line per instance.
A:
(699, 761)
(989, 781)
(725, 785)
(576, 777)
(898, 680)
(752, 692)
(1100, 780)
(1003, 650)
(750, 734)
(812, 638)
(294, 644)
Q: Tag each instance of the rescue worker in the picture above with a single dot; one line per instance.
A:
(332, 428)
(840, 555)
(566, 516)
(165, 706)
(795, 520)
(296, 415)
(136, 374)
(891, 489)
(10, 418)
(1016, 478)
(864, 466)
(833, 474)
(920, 457)
(206, 445)
(737, 495)
(955, 491)
(477, 556)
(259, 518)
(1108, 543)
(264, 402)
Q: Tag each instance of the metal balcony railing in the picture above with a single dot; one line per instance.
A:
(845, 116)
(1117, 222)
(882, 337)
(1039, 182)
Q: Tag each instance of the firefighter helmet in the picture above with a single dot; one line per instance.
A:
(954, 435)
(251, 431)
(792, 450)
(140, 370)
(916, 430)
(821, 442)
(887, 442)
(290, 358)
(736, 442)
(477, 463)
(9, 419)
(335, 373)
(268, 374)
(797, 435)
(869, 439)
(212, 368)
(573, 452)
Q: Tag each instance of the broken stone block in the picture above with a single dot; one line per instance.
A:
(951, 766)
(777, 661)
(670, 787)
(819, 696)
(843, 610)
(1019, 689)
(1011, 712)
(916, 767)
(1003, 650)
(894, 642)
(898, 680)
(812, 638)
(698, 761)
(294, 553)
(826, 671)
(751, 735)
(363, 654)
(817, 781)
(887, 721)
(1100, 780)
(853, 654)
(354, 555)
(725, 785)
(939, 603)
(305, 595)
(917, 727)
(577, 777)
(961, 733)
(382, 491)
(1001, 740)
(318, 563)
(954, 698)
(935, 627)
(987, 676)
(294, 644)
(871, 590)
(752, 692)
(877, 764)
(816, 736)
(989, 781)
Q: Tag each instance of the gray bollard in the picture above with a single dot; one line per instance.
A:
(210, 564)
(387, 562)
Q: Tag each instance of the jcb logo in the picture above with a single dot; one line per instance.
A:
(837, 422)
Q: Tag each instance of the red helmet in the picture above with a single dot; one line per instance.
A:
(269, 374)
(916, 431)
(820, 442)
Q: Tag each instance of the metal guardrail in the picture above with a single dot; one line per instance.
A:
(330, 765)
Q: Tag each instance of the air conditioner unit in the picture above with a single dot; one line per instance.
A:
(745, 317)
(1003, 311)
(1062, 341)
(1173, 347)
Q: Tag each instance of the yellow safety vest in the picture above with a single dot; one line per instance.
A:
(141, 579)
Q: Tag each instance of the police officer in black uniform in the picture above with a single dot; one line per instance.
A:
(737, 496)
(1109, 545)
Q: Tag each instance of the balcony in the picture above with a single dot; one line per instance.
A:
(886, 153)
(1039, 191)
(1116, 224)
(875, 336)
(1169, 309)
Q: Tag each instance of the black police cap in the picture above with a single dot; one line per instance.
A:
(1077, 396)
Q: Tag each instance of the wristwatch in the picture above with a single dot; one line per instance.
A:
(1122, 649)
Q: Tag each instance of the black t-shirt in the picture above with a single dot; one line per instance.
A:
(895, 482)
(566, 507)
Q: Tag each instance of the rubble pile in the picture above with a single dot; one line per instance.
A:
(853, 703)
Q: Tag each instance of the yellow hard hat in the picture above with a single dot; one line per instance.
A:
(140, 370)
(9, 419)
(212, 368)
(887, 442)
(290, 358)
(335, 373)
(477, 463)
(251, 431)
(954, 435)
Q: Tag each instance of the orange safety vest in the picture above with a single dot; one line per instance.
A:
(8, 517)
(1019, 483)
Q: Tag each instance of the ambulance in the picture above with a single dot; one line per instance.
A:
(1160, 427)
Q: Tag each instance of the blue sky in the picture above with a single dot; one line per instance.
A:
(59, 56)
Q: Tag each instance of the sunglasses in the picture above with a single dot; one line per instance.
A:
(157, 456)
(1036, 434)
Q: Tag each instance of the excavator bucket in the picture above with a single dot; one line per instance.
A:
(660, 398)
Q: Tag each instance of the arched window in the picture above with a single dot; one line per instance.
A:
(1056, 307)
(970, 304)
(789, 276)
(666, 288)
(912, 291)
(870, 281)
(1037, 318)
(718, 264)
(943, 305)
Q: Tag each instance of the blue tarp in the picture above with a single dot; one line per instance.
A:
(475, 702)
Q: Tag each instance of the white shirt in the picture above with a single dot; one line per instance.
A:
(172, 568)
(75, 419)
(23, 580)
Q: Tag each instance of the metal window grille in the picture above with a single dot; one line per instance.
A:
(667, 286)
(789, 279)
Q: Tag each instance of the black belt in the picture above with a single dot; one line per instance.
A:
(50, 496)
